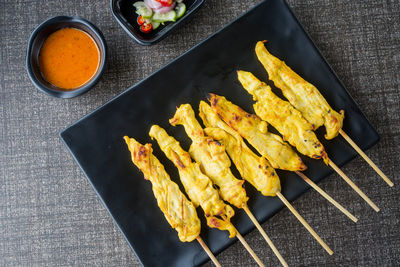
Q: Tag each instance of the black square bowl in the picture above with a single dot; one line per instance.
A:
(124, 12)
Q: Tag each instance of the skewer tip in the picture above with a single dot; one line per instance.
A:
(326, 196)
(366, 158)
(352, 185)
(304, 223)
(266, 237)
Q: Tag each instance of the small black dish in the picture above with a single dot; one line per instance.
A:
(36, 41)
(124, 13)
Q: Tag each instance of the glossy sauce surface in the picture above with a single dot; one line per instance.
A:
(69, 58)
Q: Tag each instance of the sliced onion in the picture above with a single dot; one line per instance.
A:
(165, 9)
(153, 4)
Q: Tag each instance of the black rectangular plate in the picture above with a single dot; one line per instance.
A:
(124, 12)
(96, 142)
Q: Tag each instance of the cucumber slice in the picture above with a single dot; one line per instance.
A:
(169, 16)
(180, 9)
(155, 24)
(142, 9)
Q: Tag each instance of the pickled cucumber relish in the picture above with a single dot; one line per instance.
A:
(153, 13)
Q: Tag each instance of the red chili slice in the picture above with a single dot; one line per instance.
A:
(140, 20)
(146, 28)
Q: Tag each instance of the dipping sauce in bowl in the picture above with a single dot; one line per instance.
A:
(66, 56)
(69, 58)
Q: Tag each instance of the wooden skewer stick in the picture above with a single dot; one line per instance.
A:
(248, 248)
(366, 158)
(326, 196)
(304, 223)
(353, 185)
(269, 241)
(208, 251)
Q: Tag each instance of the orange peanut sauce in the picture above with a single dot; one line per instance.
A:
(69, 58)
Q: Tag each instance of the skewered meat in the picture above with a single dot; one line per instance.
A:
(283, 116)
(178, 210)
(254, 169)
(301, 94)
(214, 162)
(197, 185)
(255, 131)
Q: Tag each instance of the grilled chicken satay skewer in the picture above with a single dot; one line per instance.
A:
(211, 156)
(215, 163)
(309, 101)
(199, 187)
(291, 124)
(283, 116)
(256, 170)
(270, 146)
(243, 158)
(177, 209)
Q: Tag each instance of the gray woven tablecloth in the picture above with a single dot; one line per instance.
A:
(49, 214)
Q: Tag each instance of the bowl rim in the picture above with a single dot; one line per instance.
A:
(156, 39)
(87, 86)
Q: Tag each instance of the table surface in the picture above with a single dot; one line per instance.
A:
(49, 214)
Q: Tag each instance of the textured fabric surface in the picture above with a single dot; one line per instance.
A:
(49, 214)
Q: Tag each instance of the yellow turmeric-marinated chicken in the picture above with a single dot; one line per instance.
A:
(254, 169)
(197, 185)
(301, 94)
(178, 210)
(255, 131)
(283, 116)
(214, 162)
